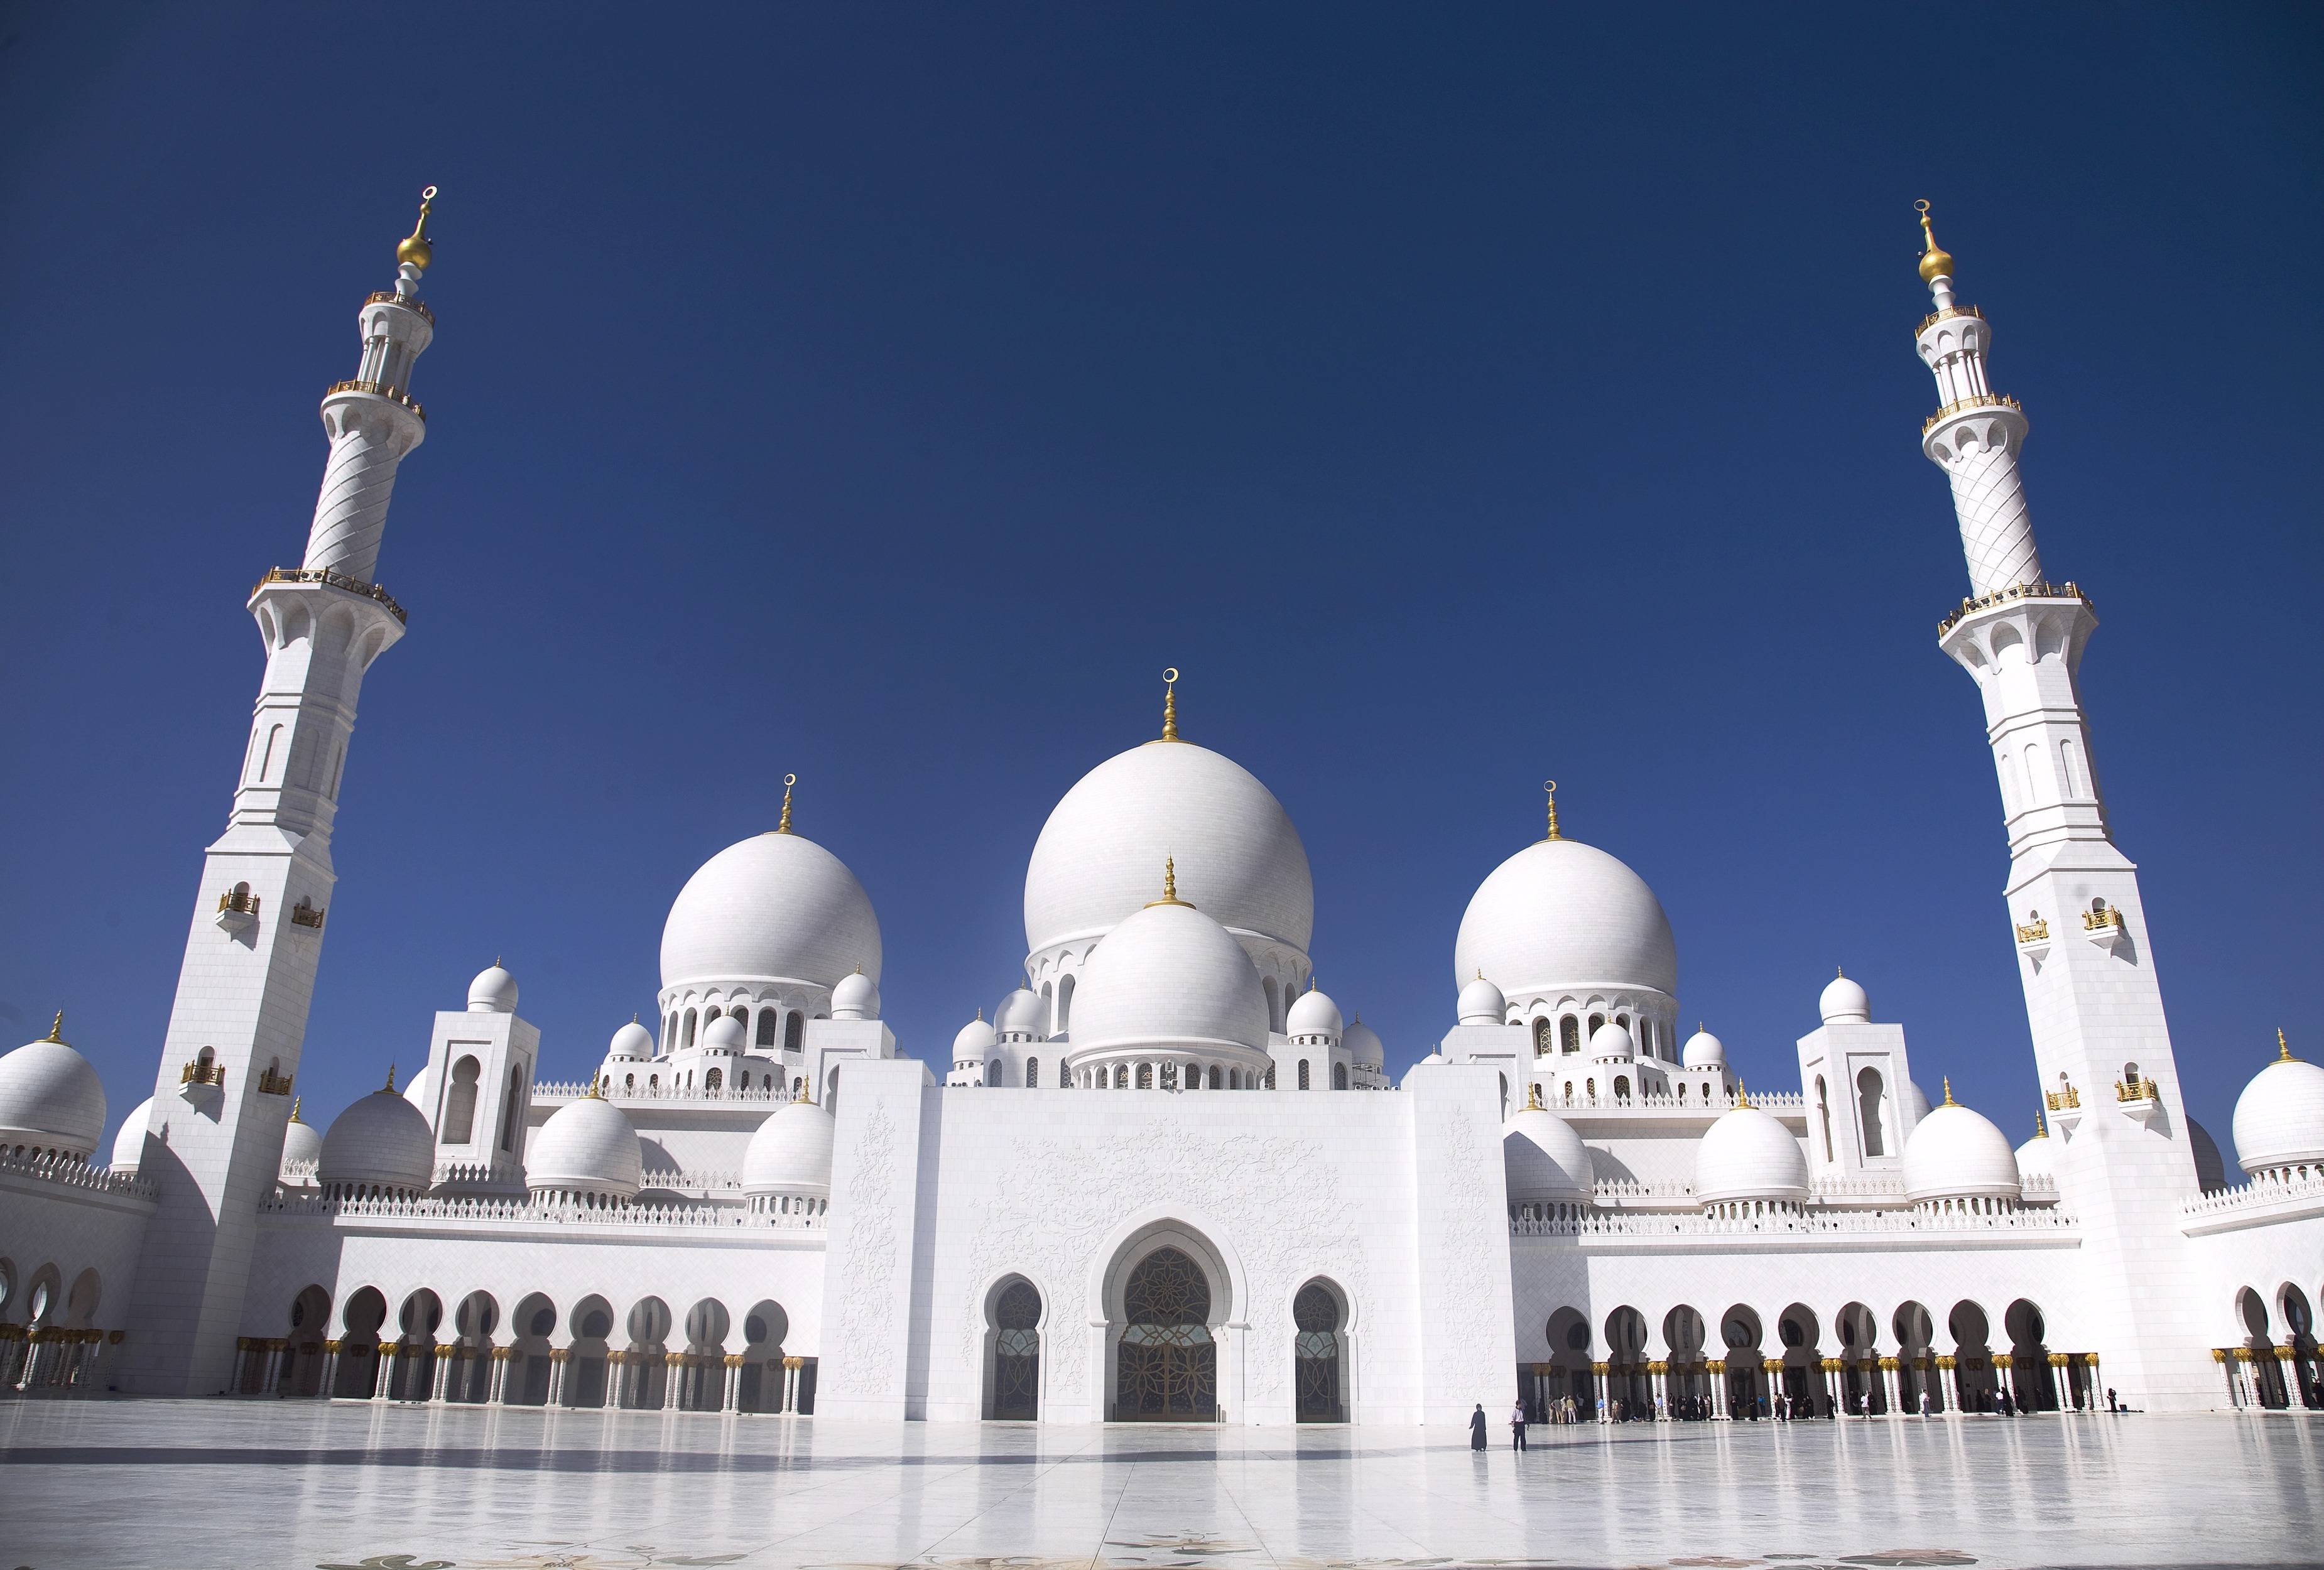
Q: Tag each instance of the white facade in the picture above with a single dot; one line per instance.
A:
(1125, 1195)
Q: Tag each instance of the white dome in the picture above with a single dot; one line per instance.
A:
(773, 908)
(633, 1041)
(1239, 857)
(49, 1098)
(588, 1146)
(1481, 1002)
(421, 1092)
(380, 1139)
(1844, 1003)
(1956, 1154)
(129, 1143)
(857, 997)
(790, 1154)
(1363, 1045)
(1610, 1042)
(1169, 976)
(1748, 1155)
(1704, 1050)
(1918, 1099)
(2033, 1158)
(494, 991)
(1314, 1013)
(2278, 1117)
(1544, 1159)
(1560, 914)
(725, 1035)
(1022, 1013)
(301, 1147)
(975, 1039)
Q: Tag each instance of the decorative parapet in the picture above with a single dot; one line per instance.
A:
(377, 390)
(270, 1083)
(2099, 921)
(329, 578)
(2064, 1100)
(574, 1090)
(72, 1174)
(304, 914)
(541, 1210)
(2278, 1194)
(1973, 400)
(202, 1071)
(2042, 590)
(1643, 1196)
(1663, 1102)
(1931, 321)
(2034, 932)
(2142, 1090)
(238, 902)
(388, 297)
(1579, 1221)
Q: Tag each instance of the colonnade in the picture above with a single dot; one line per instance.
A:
(58, 1357)
(266, 1366)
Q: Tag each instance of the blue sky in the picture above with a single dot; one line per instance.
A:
(1459, 396)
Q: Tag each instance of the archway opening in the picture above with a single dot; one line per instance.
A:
(474, 1321)
(1015, 1317)
(366, 1312)
(414, 1378)
(1166, 1367)
(2031, 1384)
(1973, 1386)
(1805, 1393)
(529, 1328)
(1917, 1385)
(1748, 1393)
(1318, 1353)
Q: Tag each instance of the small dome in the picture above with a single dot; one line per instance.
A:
(129, 1144)
(1169, 976)
(2278, 1117)
(1363, 1045)
(790, 1154)
(1917, 1099)
(1431, 1057)
(725, 1034)
(302, 1148)
(588, 1147)
(1611, 1042)
(382, 1140)
(774, 907)
(421, 1092)
(1544, 1158)
(1703, 1051)
(494, 991)
(1314, 1013)
(1560, 915)
(1748, 1155)
(632, 1042)
(1022, 1013)
(975, 1039)
(2032, 1157)
(50, 1096)
(1844, 1003)
(1956, 1154)
(2211, 1172)
(857, 997)
(1481, 1002)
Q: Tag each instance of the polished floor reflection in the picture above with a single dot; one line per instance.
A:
(193, 1484)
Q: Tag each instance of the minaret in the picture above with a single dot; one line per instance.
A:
(223, 1095)
(2125, 1164)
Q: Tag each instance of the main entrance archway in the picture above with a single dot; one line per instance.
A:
(1167, 1366)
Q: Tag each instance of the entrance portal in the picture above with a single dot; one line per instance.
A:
(1167, 1370)
(1317, 1353)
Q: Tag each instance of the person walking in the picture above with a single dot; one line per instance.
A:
(1477, 1427)
(1518, 1427)
(1925, 1400)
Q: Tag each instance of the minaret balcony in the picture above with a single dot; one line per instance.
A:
(330, 579)
(238, 908)
(202, 1071)
(1976, 401)
(2033, 940)
(2104, 927)
(388, 297)
(2065, 1105)
(2140, 1100)
(1931, 321)
(394, 396)
(304, 914)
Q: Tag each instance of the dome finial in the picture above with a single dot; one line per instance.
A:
(1551, 787)
(784, 826)
(1533, 1097)
(295, 1102)
(1169, 881)
(2283, 1047)
(1936, 262)
(1170, 705)
(57, 1029)
(1742, 1095)
(592, 1093)
(2041, 1126)
(1949, 1092)
(1840, 972)
(418, 250)
(391, 1079)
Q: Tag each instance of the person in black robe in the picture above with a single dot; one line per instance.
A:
(1477, 1427)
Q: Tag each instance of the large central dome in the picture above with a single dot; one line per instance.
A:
(1239, 857)
(774, 907)
(1560, 914)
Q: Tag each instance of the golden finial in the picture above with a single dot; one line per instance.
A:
(1840, 972)
(2040, 1126)
(1551, 787)
(591, 1094)
(1170, 883)
(1742, 1095)
(57, 1029)
(418, 250)
(2283, 1047)
(1170, 705)
(784, 826)
(1936, 262)
(1949, 1092)
(391, 1079)
(1533, 1097)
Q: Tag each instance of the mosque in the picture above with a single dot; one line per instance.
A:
(756, 1205)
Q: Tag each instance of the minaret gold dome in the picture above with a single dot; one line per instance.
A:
(415, 248)
(1936, 262)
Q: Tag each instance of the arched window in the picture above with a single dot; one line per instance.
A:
(512, 1110)
(670, 1033)
(770, 1024)
(994, 1071)
(710, 1014)
(1303, 1074)
(1216, 1078)
(795, 1031)
(1032, 1073)
(689, 1040)
(1270, 1076)
(713, 1081)
(1569, 1034)
(1621, 1088)
(1274, 1004)
(1017, 1353)
(460, 1102)
(1146, 1076)
(1234, 1079)
(1823, 1116)
(1542, 1038)
(628, 1081)
(1065, 1004)
(1590, 1087)
(1338, 1075)
(1315, 1353)
(1868, 1098)
(1169, 1076)
(1596, 1020)
(1121, 1076)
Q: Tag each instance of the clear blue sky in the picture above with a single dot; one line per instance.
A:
(1459, 396)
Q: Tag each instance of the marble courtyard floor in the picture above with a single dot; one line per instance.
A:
(191, 1484)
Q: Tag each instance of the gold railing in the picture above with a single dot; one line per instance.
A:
(303, 915)
(388, 297)
(1931, 321)
(378, 389)
(2137, 1090)
(200, 1073)
(2037, 933)
(2099, 921)
(324, 576)
(2062, 1100)
(239, 902)
(270, 1083)
(2041, 591)
(1973, 400)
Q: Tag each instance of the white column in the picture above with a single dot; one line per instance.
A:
(733, 1399)
(1719, 1391)
(447, 1359)
(330, 1385)
(496, 1394)
(1890, 1387)
(674, 1372)
(383, 1371)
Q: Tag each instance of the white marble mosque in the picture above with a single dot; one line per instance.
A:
(755, 1204)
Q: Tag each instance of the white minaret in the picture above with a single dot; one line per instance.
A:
(2101, 1043)
(223, 1095)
